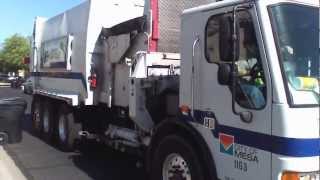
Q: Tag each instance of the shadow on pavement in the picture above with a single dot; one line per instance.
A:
(100, 162)
(39, 160)
(95, 160)
(26, 124)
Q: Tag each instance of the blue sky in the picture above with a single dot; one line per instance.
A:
(17, 16)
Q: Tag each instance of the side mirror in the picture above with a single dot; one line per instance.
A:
(224, 74)
(229, 50)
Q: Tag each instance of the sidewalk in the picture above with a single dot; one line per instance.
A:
(8, 169)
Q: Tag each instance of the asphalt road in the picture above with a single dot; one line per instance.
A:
(40, 161)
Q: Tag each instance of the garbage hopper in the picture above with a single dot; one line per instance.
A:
(11, 116)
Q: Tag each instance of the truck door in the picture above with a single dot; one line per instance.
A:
(241, 149)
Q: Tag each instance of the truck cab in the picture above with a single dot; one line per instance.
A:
(250, 85)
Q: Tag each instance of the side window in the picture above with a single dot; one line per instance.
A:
(250, 81)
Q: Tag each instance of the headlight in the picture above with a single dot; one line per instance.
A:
(300, 176)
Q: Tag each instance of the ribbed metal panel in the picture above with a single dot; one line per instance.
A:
(169, 22)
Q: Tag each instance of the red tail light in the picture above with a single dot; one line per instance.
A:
(26, 60)
(93, 81)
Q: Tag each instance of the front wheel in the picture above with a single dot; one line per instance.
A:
(176, 159)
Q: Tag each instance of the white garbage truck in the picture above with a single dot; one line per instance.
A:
(202, 90)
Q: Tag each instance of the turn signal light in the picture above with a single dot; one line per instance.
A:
(300, 176)
(290, 176)
(185, 110)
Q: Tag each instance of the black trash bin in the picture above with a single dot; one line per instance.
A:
(11, 115)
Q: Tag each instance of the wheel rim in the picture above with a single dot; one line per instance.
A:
(62, 129)
(46, 125)
(36, 117)
(175, 168)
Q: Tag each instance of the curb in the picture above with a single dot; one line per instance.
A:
(5, 84)
(8, 168)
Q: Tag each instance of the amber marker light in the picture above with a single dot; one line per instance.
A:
(290, 176)
(300, 176)
(185, 110)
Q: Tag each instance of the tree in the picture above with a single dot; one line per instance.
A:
(15, 48)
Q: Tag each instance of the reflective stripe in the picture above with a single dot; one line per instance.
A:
(293, 147)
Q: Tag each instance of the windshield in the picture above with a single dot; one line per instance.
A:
(296, 29)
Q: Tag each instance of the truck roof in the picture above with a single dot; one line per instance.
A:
(230, 2)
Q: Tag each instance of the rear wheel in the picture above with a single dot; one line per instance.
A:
(36, 116)
(68, 129)
(176, 159)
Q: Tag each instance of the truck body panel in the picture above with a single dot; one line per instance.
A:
(84, 24)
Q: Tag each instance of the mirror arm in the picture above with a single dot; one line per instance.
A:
(233, 68)
(244, 116)
(234, 93)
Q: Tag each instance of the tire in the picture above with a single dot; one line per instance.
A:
(48, 121)
(36, 116)
(67, 129)
(176, 159)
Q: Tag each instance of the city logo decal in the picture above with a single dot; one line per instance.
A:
(226, 144)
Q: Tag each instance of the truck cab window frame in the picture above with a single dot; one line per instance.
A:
(296, 79)
(251, 90)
